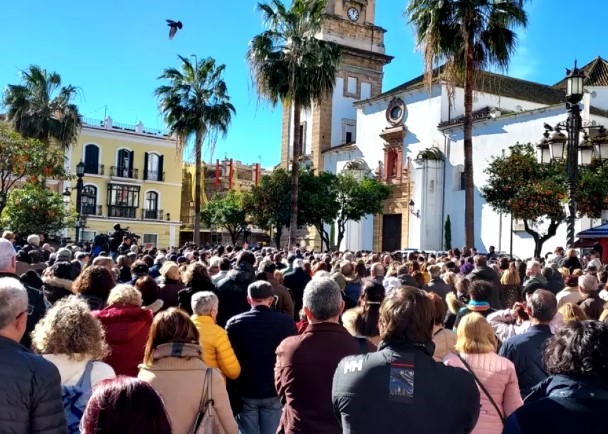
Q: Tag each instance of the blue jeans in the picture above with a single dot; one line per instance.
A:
(259, 416)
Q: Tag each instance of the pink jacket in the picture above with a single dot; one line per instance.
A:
(498, 376)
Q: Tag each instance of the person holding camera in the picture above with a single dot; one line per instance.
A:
(116, 239)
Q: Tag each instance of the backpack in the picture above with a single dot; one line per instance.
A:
(75, 399)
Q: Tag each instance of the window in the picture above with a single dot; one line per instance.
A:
(349, 130)
(87, 235)
(91, 160)
(151, 205)
(124, 164)
(89, 200)
(153, 167)
(352, 86)
(366, 90)
(349, 137)
(391, 167)
(150, 240)
(123, 200)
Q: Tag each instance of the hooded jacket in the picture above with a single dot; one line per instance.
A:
(232, 292)
(56, 288)
(400, 389)
(487, 274)
(562, 404)
(127, 330)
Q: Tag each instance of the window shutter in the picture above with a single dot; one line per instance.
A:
(131, 157)
(160, 168)
(146, 166)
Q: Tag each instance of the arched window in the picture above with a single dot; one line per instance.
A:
(89, 200)
(153, 167)
(91, 159)
(151, 210)
(124, 164)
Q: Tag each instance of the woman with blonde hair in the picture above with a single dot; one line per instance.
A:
(72, 339)
(511, 286)
(127, 326)
(572, 312)
(572, 262)
(170, 284)
(495, 376)
(173, 366)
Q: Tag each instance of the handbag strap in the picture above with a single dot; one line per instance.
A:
(481, 386)
(208, 387)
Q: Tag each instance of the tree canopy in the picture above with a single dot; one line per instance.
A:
(227, 212)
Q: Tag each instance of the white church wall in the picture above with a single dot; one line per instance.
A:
(342, 109)
(598, 96)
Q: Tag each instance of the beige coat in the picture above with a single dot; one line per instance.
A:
(180, 381)
(444, 341)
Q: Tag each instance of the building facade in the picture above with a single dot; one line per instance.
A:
(132, 177)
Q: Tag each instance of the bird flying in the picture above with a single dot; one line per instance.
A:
(173, 26)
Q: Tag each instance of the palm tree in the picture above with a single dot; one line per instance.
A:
(289, 65)
(468, 36)
(41, 108)
(195, 104)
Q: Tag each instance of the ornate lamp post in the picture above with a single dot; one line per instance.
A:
(560, 146)
(80, 218)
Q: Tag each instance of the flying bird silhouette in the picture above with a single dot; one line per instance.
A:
(173, 26)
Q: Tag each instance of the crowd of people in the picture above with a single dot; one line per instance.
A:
(129, 340)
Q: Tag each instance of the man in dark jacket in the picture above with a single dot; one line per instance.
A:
(255, 336)
(232, 289)
(555, 281)
(36, 303)
(30, 395)
(400, 388)
(306, 363)
(487, 274)
(526, 350)
(283, 295)
(437, 285)
(296, 279)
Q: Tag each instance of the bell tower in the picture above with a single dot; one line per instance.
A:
(332, 123)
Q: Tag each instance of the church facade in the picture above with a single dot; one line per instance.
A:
(411, 137)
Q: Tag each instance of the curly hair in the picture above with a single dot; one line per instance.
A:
(96, 281)
(579, 347)
(195, 275)
(69, 328)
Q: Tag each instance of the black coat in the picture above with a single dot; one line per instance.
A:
(30, 395)
(255, 336)
(297, 280)
(232, 292)
(184, 296)
(401, 389)
(563, 404)
(487, 274)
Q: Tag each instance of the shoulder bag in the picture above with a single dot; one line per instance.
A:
(481, 386)
(206, 421)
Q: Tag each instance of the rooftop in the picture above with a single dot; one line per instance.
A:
(109, 124)
(596, 74)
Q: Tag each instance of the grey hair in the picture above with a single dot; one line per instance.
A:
(321, 275)
(323, 298)
(33, 240)
(531, 265)
(588, 283)
(13, 300)
(7, 254)
(203, 302)
(298, 263)
(543, 305)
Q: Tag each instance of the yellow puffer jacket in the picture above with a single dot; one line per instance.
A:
(217, 351)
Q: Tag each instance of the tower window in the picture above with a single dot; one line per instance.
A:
(349, 137)
(352, 86)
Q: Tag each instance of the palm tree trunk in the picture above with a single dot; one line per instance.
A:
(469, 189)
(295, 171)
(198, 150)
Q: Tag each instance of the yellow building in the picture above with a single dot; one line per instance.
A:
(132, 177)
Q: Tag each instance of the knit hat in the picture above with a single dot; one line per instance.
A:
(466, 268)
(260, 290)
(64, 255)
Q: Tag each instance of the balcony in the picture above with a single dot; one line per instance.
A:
(123, 172)
(93, 169)
(151, 214)
(91, 210)
(154, 175)
(122, 212)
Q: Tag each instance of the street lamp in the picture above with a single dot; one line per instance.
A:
(559, 146)
(80, 219)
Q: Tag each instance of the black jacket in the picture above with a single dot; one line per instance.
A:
(255, 336)
(184, 296)
(562, 404)
(297, 280)
(30, 395)
(232, 292)
(526, 353)
(487, 274)
(36, 306)
(401, 389)
(555, 283)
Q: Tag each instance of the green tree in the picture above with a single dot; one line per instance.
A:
(227, 212)
(25, 159)
(519, 185)
(41, 108)
(32, 209)
(318, 202)
(447, 233)
(357, 199)
(290, 65)
(469, 36)
(195, 105)
(268, 204)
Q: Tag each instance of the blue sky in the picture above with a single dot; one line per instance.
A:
(114, 50)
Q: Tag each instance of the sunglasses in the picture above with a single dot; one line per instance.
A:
(28, 311)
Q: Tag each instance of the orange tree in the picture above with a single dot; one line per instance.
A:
(519, 185)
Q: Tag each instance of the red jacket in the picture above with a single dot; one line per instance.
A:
(127, 330)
